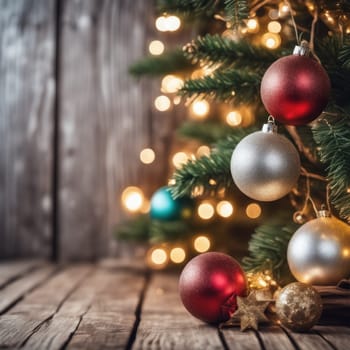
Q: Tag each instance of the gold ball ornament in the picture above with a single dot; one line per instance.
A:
(319, 251)
(298, 306)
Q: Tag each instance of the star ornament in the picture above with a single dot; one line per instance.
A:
(250, 311)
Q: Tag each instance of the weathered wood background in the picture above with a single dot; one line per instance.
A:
(72, 123)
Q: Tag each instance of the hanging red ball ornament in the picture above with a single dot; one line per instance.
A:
(209, 285)
(295, 89)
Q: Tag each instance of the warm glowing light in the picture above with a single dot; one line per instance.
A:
(274, 27)
(201, 244)
(179, 159)
(173, 23)
(253, 210)
(161, 24)
(159, 256)
(234, 118)
(176, 100)
(273, 14)
(171, 83)
(177, 255)
(252, 25)
(205, 211)
(346, 252)
(283, 9)
(162, 103)
(200, 108)
(271, 40)
(224, 209)
(203, 151)
(156, 47)
(146, 206)
(147, 156)
(132, 198)
(168, 24)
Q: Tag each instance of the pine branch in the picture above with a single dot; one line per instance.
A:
(187, 8)
(238, 86)
(207, 131)
(268, 250)
(165, 231)
(136, 229)
(198, 173)
(213, 49)
(333, 137)
(170, 62)
(236, 11)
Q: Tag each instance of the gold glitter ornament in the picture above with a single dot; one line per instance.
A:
(298, 306)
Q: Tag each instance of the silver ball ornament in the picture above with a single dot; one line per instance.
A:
(265, 165)
(298, 306)
(319, 251)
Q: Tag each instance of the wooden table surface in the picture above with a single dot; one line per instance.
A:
(46, 306)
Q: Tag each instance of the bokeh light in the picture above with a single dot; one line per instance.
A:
(156, 47)
(203, 151)
(271, 40)
(253, 25)
(205, 211)
(177, 255)
(157, 257)
(201, 244)
(253, 210)
(224, 209)
(179, 159)
(274, 27)
(171, 84)
(162, 103)
(147, 156)
(234, 118)
(200, 109)
(132, 198)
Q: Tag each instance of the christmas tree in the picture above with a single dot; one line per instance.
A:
(238, 74)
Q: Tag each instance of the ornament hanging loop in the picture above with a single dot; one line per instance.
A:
(324, 212)
(270, 126)
(302, 50)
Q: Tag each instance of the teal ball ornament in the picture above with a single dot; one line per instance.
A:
(165, 207)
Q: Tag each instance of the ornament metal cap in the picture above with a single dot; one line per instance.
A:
(270, 126)
(324, 213)
(302, 50)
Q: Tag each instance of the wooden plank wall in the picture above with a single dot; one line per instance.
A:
(72, 123)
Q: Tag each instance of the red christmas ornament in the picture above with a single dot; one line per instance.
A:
(209, 285)
(296, 88)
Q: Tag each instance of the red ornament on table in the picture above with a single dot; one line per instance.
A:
(209, 285)
(295, 89)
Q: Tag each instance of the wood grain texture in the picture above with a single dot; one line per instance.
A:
(104, 119)
(19, 323)
(165, 324)
(109, 321)
(11, 270)
(27, 92)
(16, 290)
(55, 333)
(237, 340)
(338, 336)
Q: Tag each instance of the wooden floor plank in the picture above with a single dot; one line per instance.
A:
(237, 340)
(273, 337)
(16, 290)
(338, 336)
(165, 324)
(55, 333)
(309, 340)
(111, 317)
(38, 306)
(10, 270)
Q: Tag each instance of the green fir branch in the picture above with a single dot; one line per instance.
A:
(135, 229)
(230, 85)
(187, 8)
(165, 231)
(169, 62)
(198, 173)
(236, 11)
(333, 138)
(268, 250)
(207, 131)
(214, 49)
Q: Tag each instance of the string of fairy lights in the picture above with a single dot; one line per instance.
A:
(133, 199)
